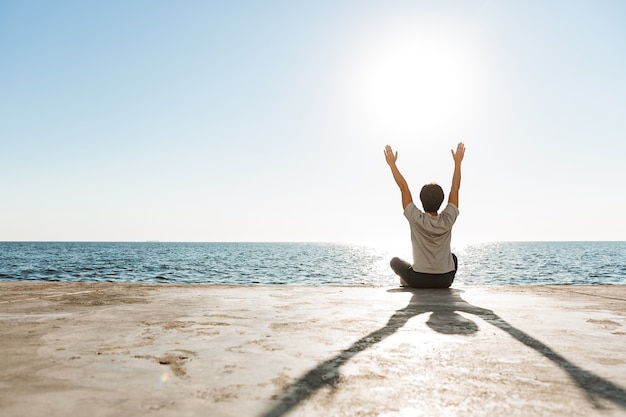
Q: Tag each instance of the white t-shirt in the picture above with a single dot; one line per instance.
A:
(430, 238)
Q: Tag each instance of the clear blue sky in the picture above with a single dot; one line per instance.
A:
(266, 121)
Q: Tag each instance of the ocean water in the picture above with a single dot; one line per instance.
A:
(494, 263)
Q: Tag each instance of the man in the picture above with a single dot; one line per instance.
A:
(434, 265)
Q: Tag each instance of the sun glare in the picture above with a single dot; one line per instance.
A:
(410, 80)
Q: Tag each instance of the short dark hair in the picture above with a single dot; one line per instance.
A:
(432, 197)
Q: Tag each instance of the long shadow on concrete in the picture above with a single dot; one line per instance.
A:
(444, 305)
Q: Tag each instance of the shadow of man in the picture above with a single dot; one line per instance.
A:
(444, 305)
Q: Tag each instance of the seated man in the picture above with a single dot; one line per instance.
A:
(434, 265)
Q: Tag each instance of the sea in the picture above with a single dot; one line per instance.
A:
(349, 264)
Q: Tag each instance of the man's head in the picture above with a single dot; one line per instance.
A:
(431, 197)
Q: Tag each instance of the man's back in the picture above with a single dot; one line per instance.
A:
(431, 238)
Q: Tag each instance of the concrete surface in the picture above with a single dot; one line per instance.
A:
(104, 349)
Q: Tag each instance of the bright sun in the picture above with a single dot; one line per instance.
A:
(413, 79)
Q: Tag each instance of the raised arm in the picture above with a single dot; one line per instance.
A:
(456, 177)
(404, 187)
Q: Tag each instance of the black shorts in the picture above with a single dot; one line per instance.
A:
(422, 279)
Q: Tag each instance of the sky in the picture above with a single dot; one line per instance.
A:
(267, 120)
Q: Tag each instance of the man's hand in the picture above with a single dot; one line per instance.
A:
(456, 177)
(404, 188)
(460, 153)
(390, 156)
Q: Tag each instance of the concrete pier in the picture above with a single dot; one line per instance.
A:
(105, 349)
